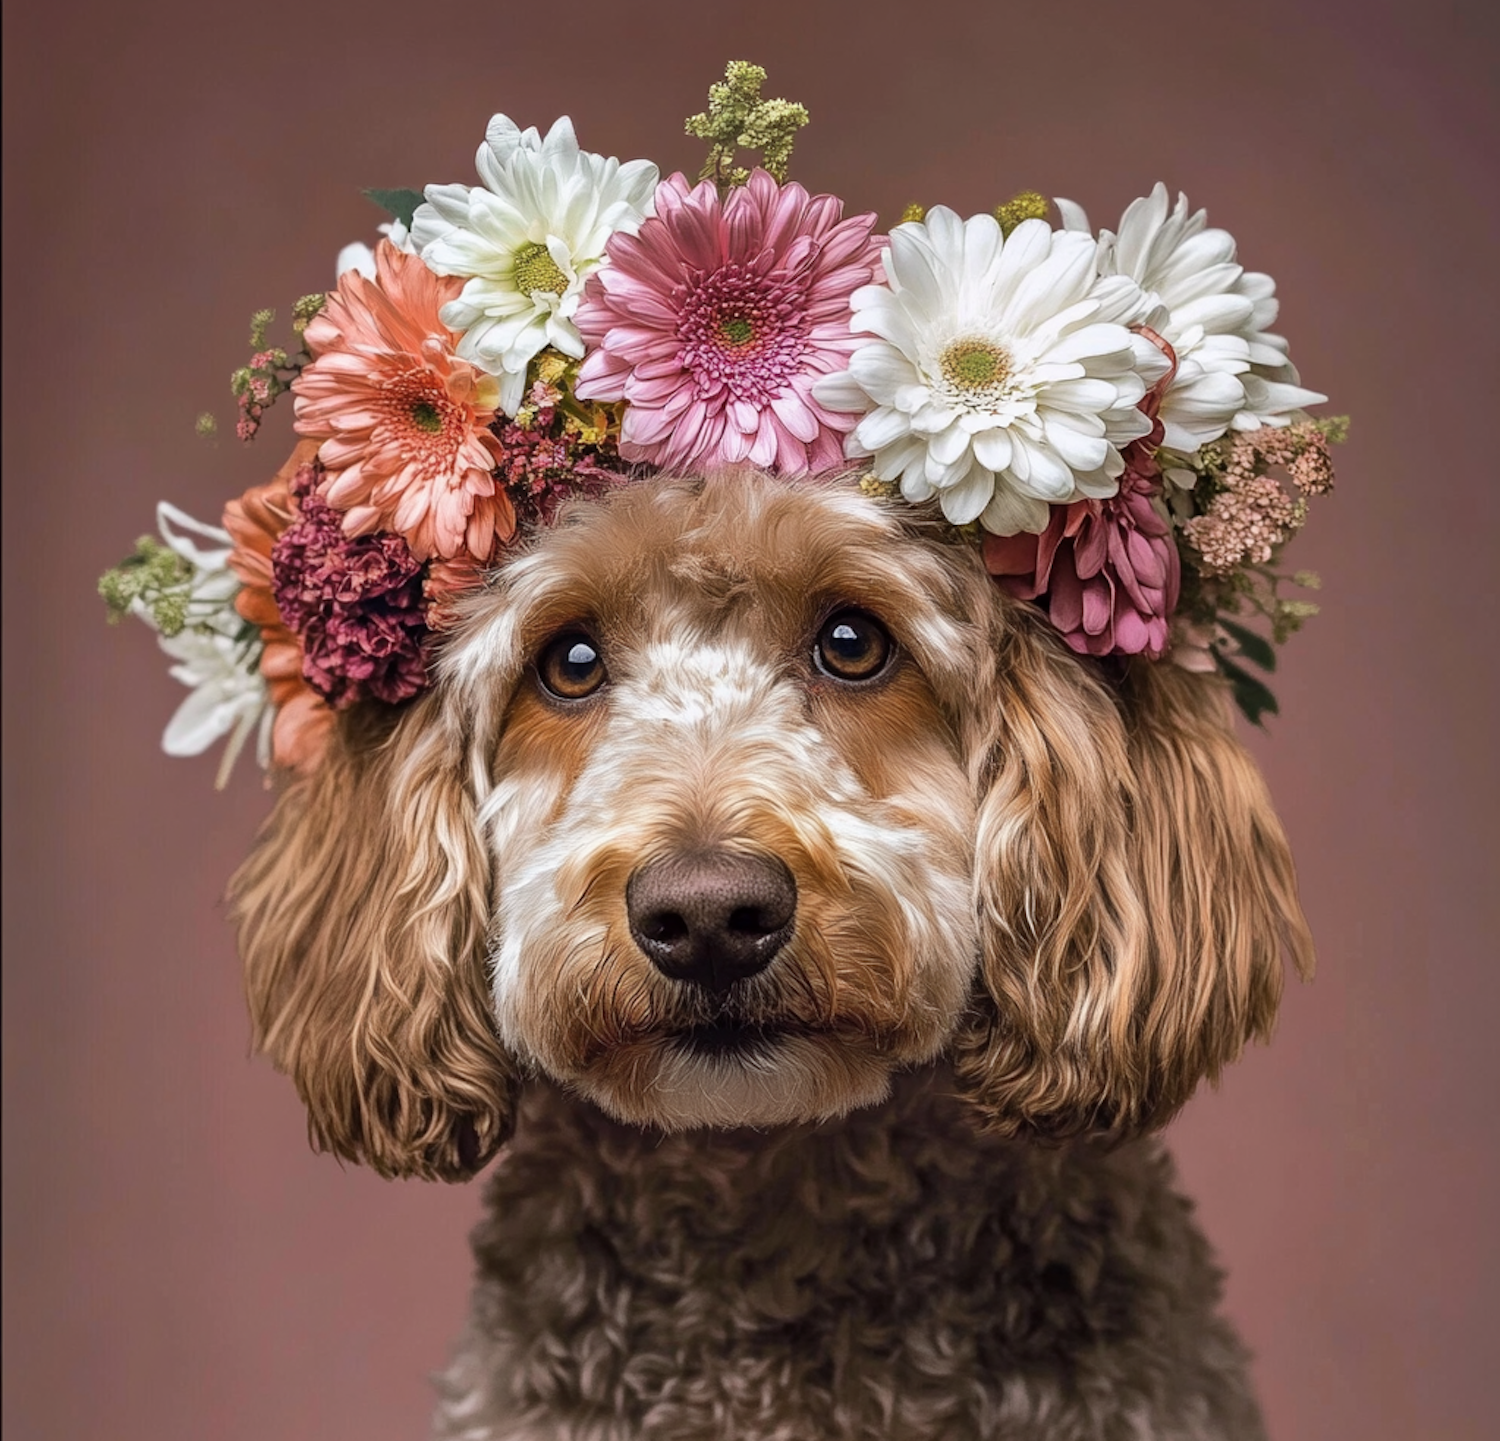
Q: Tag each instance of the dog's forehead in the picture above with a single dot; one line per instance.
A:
(718, 544)
(738, 552)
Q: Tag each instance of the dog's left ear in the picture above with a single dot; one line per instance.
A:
(1137, 896)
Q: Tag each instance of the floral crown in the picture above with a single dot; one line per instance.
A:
(1106, 415)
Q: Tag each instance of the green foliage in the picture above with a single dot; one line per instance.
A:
(399, 204)
(260, 322)
(737, 118)
(1253, 696)
(1245, 597)
(151, 576)
(304, 310)
(1252, 646)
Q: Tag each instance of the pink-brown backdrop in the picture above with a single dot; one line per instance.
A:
(176, 1263)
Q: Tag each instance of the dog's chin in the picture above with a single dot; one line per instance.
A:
(730, 1074)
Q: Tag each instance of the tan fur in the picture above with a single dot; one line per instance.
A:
(1138, 894)
(362, 922)
(1077, 885)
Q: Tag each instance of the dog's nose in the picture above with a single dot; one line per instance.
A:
(713, 917)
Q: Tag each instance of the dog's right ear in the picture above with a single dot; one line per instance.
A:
(362, 916)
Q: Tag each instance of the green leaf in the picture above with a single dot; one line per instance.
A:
(401, 204)
(1252, 696)
(1253, 647)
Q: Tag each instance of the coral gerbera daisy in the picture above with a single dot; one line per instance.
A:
(715, 320)
(998, 380)
(404, 422)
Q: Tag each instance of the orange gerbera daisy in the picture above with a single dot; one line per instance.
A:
(404, 423)
(299, 734)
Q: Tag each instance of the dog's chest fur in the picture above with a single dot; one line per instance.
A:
(892, 1275)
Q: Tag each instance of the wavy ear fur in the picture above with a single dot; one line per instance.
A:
(1137, 896)
(362, 915)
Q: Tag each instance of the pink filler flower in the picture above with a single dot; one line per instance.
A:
(403, 421)
(714, 321)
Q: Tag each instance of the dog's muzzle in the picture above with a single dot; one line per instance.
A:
(711, 917)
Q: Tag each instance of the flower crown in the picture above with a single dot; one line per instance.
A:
(1106, 415)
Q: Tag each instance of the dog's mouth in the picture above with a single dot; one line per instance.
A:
(730, 1039)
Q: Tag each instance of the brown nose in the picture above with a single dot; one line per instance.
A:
(712, 917)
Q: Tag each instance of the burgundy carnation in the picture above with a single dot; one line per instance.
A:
(355, 601)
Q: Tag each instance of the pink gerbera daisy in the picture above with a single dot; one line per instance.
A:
(404, 422)
(714, 321)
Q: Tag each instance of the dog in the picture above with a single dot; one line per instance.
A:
(817, 940)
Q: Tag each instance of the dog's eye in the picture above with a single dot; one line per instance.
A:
(851, 647)
(570, 667)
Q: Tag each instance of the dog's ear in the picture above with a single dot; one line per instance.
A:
(1137, 896)
(362, 916)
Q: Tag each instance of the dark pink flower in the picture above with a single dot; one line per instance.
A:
(713, 322)
(356, 603)
(545, 462)
(1107, 572)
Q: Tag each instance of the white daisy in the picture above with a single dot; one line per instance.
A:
(1000, 381)
(356, 255)
(215, 657)
(527, 238)
(1213, 312)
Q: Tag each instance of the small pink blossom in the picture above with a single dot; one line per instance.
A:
(1245, 522)
(543, 463)
(1254, 515)
(714, 321)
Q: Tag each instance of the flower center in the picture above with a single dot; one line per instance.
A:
(737, 330)
(426, 416)
(975, 365)
(535, 269)
(419, 420)
(743, 333)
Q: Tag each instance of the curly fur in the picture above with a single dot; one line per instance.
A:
(1041, 902)
(888, 1277)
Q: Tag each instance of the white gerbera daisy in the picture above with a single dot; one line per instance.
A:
(999, 382)
(1213, 312)
(527, 238)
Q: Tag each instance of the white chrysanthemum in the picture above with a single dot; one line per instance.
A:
(356, 255)
(1213, 312)
(1000, 381)
(527, 239)
(214, 658)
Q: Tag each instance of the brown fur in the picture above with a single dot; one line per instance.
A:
(1138, 893)
(1133, 892)
(362, 924)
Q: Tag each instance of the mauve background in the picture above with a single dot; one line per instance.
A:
(177, 1264)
